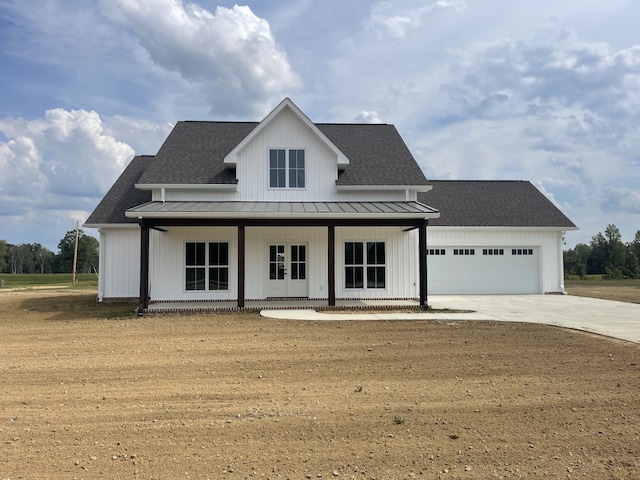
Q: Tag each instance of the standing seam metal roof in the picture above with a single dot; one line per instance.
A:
(215, 208)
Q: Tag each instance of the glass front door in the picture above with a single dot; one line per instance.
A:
(287, 272)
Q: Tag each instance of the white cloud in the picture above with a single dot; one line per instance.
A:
(67, 150)
(143, 136)
(387, 20)
(368, 117)
(21, 177)
(622, 199)
(230, 54)
(545, 105)
(56, 168)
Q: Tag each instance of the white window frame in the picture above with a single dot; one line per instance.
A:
(288, 169)
(206, 266)
(365, 265)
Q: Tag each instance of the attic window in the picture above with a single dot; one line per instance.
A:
(286, 167)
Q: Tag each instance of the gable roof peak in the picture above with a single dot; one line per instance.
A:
(287, 103)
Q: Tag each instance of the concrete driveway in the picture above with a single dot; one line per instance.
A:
(615, 319)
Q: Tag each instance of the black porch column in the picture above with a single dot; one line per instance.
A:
(422, 263)
(240, 266)
(144, 267)
(331, 265)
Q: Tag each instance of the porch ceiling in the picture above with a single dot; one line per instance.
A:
(298, 210)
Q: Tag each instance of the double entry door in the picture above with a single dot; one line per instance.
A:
(287, 273)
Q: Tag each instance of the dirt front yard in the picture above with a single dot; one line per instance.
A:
(88, 391)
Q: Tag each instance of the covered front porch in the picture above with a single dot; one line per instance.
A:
(243, 217)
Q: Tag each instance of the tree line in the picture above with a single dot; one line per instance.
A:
(606, 255)
(34, 258)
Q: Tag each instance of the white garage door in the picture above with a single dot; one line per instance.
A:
(483, 270)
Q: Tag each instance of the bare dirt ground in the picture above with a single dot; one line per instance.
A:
(89, 391)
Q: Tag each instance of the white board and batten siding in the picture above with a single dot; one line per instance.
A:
(286, 131)
(537, 271)
(401, 249)
(167, 261)
(119, 275)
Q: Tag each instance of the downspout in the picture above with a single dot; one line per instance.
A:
(101, 250)
(561, 261)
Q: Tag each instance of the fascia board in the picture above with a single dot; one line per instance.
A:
(398, 188)
(476, 228)
(187, 186)
(110, 225)
(263, 215)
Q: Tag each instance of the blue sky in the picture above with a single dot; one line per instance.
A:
(545, 90)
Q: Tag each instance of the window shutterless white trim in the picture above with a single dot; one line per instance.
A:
(206, 266)
(365, 265)
(287, 168)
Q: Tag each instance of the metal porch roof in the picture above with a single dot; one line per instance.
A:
(237, 209)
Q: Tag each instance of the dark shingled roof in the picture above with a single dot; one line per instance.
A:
(194, 152)
(122, 195)
(377, 155)
(492, 204)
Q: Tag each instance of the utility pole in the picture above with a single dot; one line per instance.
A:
(75, 256)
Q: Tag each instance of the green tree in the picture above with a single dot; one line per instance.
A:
(616, 253)
(42, 258)
(4, 248)
(20, 258)
(598, 257)
(634, 246)
(576, 259)
(608, 253)
(88, 253)
(632, 266)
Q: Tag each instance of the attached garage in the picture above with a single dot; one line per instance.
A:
(478, 270)
(494, 237)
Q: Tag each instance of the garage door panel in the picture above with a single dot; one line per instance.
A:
(484, 274)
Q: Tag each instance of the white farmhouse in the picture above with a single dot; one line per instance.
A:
(286, 208)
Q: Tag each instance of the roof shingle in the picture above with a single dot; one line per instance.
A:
(377, 155)
(122, 195)
(194, 152)
(490, 203)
